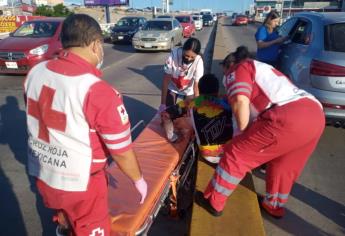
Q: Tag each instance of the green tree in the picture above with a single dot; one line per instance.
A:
(58, 10)
(43, 10)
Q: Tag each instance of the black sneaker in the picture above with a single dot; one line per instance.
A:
(204, 203)
(61, 231)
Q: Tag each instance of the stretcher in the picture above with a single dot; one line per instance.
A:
(162, 163)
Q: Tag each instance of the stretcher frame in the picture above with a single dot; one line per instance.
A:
(182, 157)
(190, 151)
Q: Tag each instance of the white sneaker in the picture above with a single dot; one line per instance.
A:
(213, 160)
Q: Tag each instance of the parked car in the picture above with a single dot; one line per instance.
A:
(251, 19)
(125, 28)
(240, 20)
(207, 20)
(158, 34)
(33, 42)
(314, 59)
(165, 16)
(188, 25)
(198, 23)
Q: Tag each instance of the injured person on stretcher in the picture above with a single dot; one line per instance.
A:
(209, 115)
(169, 167)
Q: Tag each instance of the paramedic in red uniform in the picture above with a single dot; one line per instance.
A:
(277, 123)
(182, 72)
(75, 121)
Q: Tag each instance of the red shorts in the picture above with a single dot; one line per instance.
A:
(87, 211)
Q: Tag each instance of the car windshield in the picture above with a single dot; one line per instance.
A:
(164, 17)
(158, 25)
(128, 22)
(37, 29)
(207, 17)
(335, 37)
(183, 19)
(195, 17)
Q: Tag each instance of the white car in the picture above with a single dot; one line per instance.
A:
(198, 22)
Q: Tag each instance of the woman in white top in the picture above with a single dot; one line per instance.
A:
(183, 69)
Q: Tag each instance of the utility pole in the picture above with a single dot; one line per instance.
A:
(282, 10)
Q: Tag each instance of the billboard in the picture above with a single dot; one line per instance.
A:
(106, 2)
(10, 23)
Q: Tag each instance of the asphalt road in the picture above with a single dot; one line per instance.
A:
(317, 202)
(137, 76)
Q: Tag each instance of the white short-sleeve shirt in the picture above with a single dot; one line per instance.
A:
(183, 76)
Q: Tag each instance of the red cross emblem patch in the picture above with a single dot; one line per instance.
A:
(46, 116)
(123, 114)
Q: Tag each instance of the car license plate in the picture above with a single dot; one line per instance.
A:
(120, 37)
(338, 82)
(11, 65)
(147, 45)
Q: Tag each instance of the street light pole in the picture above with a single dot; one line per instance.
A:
(282, 9)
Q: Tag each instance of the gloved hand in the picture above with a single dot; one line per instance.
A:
(161, 108)
(141, 186)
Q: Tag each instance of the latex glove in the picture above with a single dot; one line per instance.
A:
(141, 186)
(161, 108)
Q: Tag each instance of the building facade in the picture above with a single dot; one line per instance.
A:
(289, 7)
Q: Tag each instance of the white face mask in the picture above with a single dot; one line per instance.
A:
(100, 61)
(224, 81)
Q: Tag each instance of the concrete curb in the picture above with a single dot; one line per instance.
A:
(219, 52)
(221, 49)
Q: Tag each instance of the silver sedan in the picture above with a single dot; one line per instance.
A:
(314, 59)
(158, 34)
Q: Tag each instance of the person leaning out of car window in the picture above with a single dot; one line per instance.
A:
(183, 70)
(268, 40)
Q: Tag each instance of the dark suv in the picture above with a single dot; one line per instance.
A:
(125, 28)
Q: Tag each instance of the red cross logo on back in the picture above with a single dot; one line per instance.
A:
(46, 116)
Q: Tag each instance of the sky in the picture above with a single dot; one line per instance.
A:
(215, 5)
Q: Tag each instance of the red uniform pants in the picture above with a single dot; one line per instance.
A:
(87, 211)
(284, 137)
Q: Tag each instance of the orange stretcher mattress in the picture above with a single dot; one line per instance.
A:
(157, 158)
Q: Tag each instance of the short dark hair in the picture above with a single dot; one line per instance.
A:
(192, 44)
(208, 85)
(80, 30)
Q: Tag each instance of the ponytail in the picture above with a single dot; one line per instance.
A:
(241, 54)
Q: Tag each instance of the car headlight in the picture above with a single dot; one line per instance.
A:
(163, 39)
(131, 32)
(39, 50)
